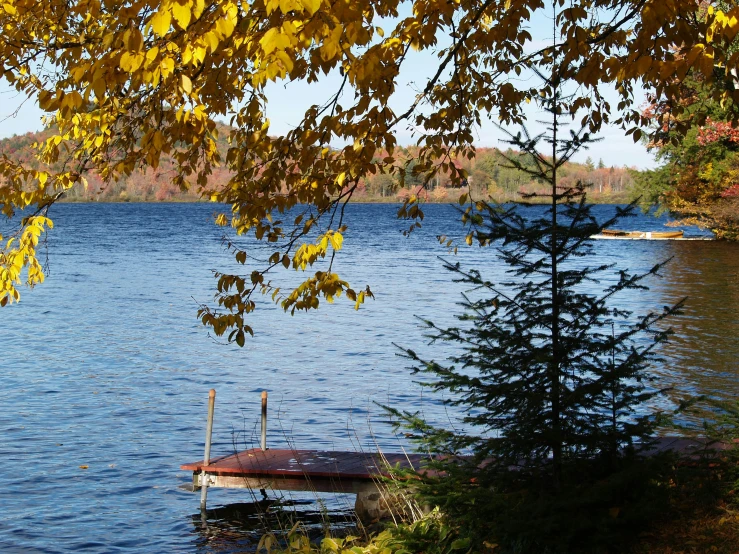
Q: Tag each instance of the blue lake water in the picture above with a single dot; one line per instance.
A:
(105, 365)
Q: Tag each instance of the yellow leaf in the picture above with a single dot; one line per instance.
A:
(131, 61)
(166, 66)
(186, 84)
(643, 64)
(274, 40)
(286, 6)
(182, 14)
(158, 140)
(337, 240)
(152, 54)
(311, 6)
(225, 27)
(198, 54)
(133, 39)
(161, 21)
(212, 40)
(99, 87)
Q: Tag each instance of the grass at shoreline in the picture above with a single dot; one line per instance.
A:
(703, 515)
(700, 515)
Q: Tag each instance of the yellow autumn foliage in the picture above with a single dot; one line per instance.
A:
(125, 82)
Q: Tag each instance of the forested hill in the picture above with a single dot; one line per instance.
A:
(489, 176)
(149, 186)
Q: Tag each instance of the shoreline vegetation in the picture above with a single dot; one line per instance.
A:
(694, 510)
(595, 198)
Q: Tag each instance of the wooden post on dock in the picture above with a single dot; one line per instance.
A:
(206, 458)
(264, 421)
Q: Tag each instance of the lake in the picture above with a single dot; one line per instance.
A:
(106, 366)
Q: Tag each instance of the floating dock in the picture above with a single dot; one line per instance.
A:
(646, 236)
(299, 470)
(359, 473)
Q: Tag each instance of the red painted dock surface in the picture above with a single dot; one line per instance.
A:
(307, 464)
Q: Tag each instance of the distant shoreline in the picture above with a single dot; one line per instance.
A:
(617, 198)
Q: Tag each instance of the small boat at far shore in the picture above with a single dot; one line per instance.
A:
(642, 234)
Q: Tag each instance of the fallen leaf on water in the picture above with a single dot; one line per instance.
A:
(84, 467)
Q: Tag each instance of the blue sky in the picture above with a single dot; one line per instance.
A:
(17, 114)
(287, 103)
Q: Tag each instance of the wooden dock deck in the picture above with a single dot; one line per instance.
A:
(348, 472)
(357, 473)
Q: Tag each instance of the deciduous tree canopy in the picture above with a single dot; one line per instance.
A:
(699, 178)
(128, 81)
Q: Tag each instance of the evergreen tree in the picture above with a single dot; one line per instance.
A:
(553, 379)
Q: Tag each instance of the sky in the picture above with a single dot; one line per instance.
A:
(18, 115)
(287, 104)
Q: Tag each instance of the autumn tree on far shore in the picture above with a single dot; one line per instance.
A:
(698, 180)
